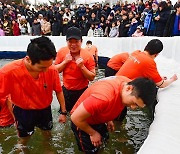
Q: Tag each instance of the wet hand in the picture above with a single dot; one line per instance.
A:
(110, 126)
(96, 139)
(174, 77)
(62, 118)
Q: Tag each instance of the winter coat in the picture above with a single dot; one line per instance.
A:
(36, 29)
(168, 31)
(113, 32)
(161, 23)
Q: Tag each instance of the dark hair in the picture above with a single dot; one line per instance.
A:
(145, 89)
(154, 46)
(163, 5)
(89, 42)
(41, 48)
(177, 5)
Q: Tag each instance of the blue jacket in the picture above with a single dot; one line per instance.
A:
(147, 21)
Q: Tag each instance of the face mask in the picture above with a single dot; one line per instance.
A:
(154, 9)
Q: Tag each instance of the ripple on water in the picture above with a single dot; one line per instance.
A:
(127, 138)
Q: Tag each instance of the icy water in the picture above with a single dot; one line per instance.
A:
(127, 138)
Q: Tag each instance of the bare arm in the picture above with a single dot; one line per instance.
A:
(79, 117)
(89, 74)
(165, 83)
(60, 97)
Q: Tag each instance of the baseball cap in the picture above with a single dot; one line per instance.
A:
(73, 32)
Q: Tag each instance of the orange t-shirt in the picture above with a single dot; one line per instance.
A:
(6, 117)
(140, 65)
(73, 78)
(118, 60)
(27, 92)
(103, 105)
(92, 50)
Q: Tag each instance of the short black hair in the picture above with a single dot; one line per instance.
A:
(154, 46)
(145, 89)
(177, 5)
(89, 42)
(41, 48)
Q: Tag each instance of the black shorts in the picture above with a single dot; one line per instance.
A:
(71, 97)
(26, 120)
(110, 72)
(83, 139)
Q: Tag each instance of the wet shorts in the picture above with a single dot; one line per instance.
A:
(83, 139)
(110, 72)
(71, 97)
(26, 120)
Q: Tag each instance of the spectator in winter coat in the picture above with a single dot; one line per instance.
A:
(133, 26)
(83, 25)
(36, 28)
(150, 22)
(7, 27)
(73, 22)
(93, 19)
(138, 32)
(114, 30)
(173, 24)
(123, 28)
(162, 18)
(15, 28)
(46, 27)
(103, 22)
(98, 31)
(91, 31)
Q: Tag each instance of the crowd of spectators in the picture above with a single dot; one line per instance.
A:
(149, 18)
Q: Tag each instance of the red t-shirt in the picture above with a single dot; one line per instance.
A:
(103, 105)
(27, 92)
(118, 60)
(140, 65)
(73, 78)
(6, 117)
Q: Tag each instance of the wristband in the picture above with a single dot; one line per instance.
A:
(63, 113)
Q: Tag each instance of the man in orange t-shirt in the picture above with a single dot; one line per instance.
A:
(77, 66)
(115, 63)
(95, 107)
(6, 117)
(142, 64)
(30, 82)
(92, 49)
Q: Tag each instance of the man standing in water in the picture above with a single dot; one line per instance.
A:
(92, 49)
(102, 102)
(77, 66)
(30, 82)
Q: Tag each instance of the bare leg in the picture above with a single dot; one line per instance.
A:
(47, 142)
(21, 145)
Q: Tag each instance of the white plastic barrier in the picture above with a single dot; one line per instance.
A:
(164, 133)
(106, 46)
